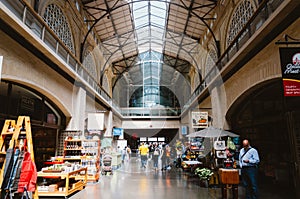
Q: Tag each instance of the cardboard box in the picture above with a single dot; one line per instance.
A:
(53, 187)
(229, 176)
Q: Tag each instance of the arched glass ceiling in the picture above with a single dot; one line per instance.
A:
(130, 27)
(150, 24)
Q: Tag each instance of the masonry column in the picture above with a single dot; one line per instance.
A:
(78, 109)
(109, 122)
(218, 101)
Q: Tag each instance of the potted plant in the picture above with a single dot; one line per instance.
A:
(204, 175)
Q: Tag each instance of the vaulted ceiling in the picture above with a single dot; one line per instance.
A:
(129, 28)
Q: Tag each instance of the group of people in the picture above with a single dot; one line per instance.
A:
(156, 152)
(125, 153)
(248, 161)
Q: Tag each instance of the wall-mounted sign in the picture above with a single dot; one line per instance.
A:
(290, 67)
(117, 131)
(27, 103)
(199, 119)
(184, 130)
(152, 139)
(95, 121)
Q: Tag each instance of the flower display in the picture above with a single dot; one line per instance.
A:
(204, 173)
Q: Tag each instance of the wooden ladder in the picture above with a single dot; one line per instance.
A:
(12, 130)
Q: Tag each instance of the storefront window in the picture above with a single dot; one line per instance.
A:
(3, 97)
(17, 100)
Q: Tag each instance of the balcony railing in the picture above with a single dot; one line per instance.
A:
(264, 11)
(150, 112)
(36, 24)
(33, 21)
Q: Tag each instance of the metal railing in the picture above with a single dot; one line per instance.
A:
(150, 112)
(23, 11)
(261, 15)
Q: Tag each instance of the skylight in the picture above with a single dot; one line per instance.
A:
(150, 24)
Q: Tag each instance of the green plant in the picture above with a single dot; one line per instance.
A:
(204, 173)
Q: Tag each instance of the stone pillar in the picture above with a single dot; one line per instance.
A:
(78, 109)
(109, 126)
(218, 100)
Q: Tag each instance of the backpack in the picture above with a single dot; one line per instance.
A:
(156, 152)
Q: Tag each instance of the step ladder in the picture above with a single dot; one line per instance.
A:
(11, 132)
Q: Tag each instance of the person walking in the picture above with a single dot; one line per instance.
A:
(155, 157)
(123, 153)
(143, 149)
(249, 159)
(165, 157)
(128, 153)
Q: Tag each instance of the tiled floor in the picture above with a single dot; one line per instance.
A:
(132, 182)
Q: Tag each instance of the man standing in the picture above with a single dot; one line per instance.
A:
(249, 160)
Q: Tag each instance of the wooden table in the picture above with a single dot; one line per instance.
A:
(191, 165)
(229, 179)
(68, 189)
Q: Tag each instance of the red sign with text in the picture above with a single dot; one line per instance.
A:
(290, 67)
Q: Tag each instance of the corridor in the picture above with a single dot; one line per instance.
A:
(132, 182)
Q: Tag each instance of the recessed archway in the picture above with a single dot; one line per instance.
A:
(259, 115)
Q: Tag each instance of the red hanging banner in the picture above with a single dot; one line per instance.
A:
(290, 67)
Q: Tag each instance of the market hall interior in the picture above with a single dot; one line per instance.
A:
(131, 181)
(156, 71)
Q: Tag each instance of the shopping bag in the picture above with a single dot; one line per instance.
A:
(219, 145)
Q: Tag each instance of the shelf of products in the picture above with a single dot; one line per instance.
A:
(44, 148)
(61, 138)
(85, 153)
(60, 182)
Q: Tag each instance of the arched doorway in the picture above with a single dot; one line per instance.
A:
(46, 118)
(260, 115)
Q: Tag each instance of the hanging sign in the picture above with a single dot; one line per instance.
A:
(199, 119)
(290, 67)
(95, 121)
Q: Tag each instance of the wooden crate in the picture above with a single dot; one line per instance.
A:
(229, 176)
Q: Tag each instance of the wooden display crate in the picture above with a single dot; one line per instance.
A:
(69, 188)
(229, 176)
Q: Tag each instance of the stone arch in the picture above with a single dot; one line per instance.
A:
(239, 17)
(105, 83)
(44, 91)
(53, 13)
(261, 115)
(211, 59)
(195, 79)
(248, 92)
(90, 64)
